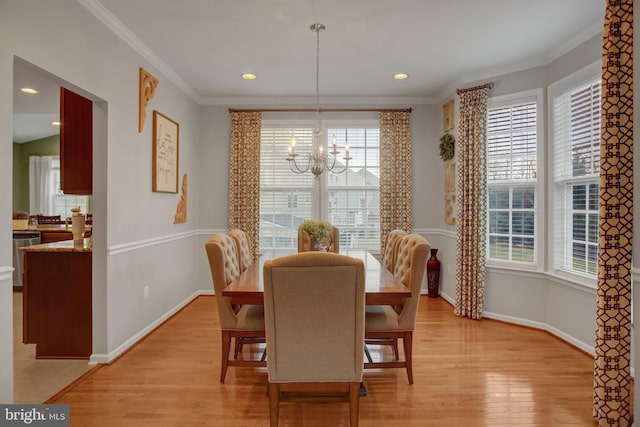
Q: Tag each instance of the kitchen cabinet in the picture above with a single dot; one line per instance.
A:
(57, 313)
(76, 143)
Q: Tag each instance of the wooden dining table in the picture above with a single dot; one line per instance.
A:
(382, 287)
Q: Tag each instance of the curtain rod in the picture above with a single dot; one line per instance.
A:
(486, 85)
(322, 110)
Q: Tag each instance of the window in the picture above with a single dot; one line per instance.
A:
(576, 140)
(64, 202)
(512, 174)
(349, 200)
(354, 197)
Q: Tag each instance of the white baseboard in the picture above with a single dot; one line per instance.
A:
(533, 324)
(106, 358)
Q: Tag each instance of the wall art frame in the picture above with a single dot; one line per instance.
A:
(166, 140)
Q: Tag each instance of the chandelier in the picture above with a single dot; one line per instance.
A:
(317, 161)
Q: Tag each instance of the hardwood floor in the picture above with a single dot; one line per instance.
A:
(35, 381)
(466, 373)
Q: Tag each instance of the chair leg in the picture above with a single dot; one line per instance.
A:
(274, 404)
(226, 346)
(407, 340)
(366, 352)
(354, 404)
(395, 349)
(238, 347)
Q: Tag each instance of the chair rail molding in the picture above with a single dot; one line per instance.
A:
(141, 244)
(6, 273)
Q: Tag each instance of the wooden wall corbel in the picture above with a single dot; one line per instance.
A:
(147, 89)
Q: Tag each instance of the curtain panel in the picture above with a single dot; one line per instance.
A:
(42, 187)
(471, 191)
(244, 175)
(613, 304)
(395, 173)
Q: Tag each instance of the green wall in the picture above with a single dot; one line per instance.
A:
(21, 152)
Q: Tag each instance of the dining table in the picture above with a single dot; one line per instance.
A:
(381, 287)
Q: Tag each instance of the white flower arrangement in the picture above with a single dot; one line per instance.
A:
(316, 229)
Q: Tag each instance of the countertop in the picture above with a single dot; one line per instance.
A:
(48, 227)
(63, 246)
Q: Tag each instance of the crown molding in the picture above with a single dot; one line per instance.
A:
(121, 30)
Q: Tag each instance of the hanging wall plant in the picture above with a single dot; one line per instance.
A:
(446, 147)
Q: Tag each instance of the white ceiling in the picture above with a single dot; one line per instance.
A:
(204, 46)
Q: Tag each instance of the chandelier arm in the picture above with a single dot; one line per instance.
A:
(293, 165)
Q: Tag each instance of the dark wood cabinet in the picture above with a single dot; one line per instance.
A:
(76, 143)
(57, 304)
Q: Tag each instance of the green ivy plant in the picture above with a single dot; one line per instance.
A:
(446, 147)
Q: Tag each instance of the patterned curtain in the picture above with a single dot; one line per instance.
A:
(471, 199)
(395, 173)
(613, 312)
(244, 175)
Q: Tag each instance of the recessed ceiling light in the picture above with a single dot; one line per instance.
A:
(55, 123)
(28, 90)
(249, 76)
(401, 76)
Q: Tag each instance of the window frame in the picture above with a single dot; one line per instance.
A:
(565, 225)
(320, 188)
(534, 95)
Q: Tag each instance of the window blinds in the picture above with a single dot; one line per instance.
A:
(576, 140)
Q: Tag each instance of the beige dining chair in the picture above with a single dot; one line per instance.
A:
(390, 246)
(245, 257)
(248, 320)
(331, 241)
(388, 259)
(384, 322)
(314, 318)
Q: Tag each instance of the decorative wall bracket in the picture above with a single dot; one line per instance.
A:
(147, 90)
(181, 209)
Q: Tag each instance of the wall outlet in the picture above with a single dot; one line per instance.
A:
(146, 292)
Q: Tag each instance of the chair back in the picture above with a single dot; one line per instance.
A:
(409, 268)
(49, 219)
(390, 246)
(223, 262)
(331, 241)
(314, 318)
(245, 258)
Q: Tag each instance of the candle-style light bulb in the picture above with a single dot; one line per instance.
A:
(346, 147)
(293, 141)
(334, 141)
(321, 149)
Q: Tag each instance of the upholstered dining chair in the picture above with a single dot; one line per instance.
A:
(390, 246)
(388, 260)
(331, 241)
(384, 322)
(314, 319)
(49, 219)
(248, 320)
(245, 257)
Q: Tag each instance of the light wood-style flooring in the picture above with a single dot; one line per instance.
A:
(35, 381)
(466, 373)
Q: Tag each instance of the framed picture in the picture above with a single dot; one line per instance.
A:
(165, 153)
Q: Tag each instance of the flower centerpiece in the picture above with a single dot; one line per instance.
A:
(317, 230)
(75, 211)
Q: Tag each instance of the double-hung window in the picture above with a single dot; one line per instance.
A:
(349, 200)
(512, 179)
(576, 142)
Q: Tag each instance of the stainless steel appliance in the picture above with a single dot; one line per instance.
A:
(20, 239)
